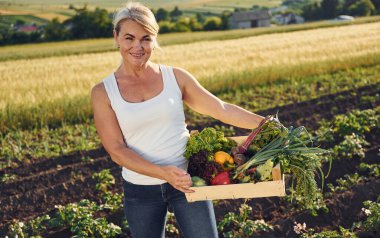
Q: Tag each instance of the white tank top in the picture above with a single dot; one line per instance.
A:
(155, 129)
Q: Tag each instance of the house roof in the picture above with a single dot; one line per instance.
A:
(252, 15)
(27, 28)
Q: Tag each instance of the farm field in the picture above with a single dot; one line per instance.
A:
(60, 8)
(66, 179)
(27, 51)
(45, 85)
(58, 181)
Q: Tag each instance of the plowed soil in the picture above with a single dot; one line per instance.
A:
(48, 182)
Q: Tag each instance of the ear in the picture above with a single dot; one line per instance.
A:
(115, 37)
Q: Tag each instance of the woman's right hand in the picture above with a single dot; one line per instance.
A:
(178, 178)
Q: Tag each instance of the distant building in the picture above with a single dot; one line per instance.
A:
(344, 18)
(289, 18)
(249, 19)
(26, 28)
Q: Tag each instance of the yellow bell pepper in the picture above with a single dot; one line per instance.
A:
(224, 159)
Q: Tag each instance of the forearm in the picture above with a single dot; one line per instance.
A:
(239, 117)
(129, 159)
(177, 177)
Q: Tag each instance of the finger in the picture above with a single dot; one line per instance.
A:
(185, 182)
(185, 190)
(185, 177)
(189, 191)
(181, 172)
(188, 183)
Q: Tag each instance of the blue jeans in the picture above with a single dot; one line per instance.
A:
(145, 208)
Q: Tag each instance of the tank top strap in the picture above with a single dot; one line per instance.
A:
(111, 86)
(170, 79)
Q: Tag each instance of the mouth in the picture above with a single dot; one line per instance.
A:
(137, 55)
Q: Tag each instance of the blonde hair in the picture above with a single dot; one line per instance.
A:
(139, 13)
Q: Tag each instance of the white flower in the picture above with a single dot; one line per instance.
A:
(299, 228)
(367, 212)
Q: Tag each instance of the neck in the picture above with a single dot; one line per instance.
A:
(133, 70)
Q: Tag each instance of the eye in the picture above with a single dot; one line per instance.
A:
(129, 38)
(147, 39)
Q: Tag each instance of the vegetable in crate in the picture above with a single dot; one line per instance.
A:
(198, 181)
(223, 178)
(224, 159)
(201, 167)
(209, 140)
(265, 170)
(269, 131)
(200, 151)
(292, 149)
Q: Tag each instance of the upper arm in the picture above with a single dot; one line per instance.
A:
(196, 96)
(105, 120)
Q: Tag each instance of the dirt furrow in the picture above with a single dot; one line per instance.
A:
(41, 185)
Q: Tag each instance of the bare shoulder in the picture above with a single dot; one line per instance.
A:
(98, 93)
(181, 73)
(184, 78)
(98, 88)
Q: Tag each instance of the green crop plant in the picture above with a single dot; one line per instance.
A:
(238, 225)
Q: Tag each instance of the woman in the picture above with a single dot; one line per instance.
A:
(138, 112)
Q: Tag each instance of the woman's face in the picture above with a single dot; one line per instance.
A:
(136, 43)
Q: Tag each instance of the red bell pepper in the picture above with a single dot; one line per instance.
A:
(222, 178)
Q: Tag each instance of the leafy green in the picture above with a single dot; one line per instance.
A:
(265, 170)
(269, 131)
(292, 149)
(210, 140)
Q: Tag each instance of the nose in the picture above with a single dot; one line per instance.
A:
(138, 44)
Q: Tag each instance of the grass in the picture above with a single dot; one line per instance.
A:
(41, 50)
(7, 20)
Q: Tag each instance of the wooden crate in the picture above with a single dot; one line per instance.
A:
(244, 190)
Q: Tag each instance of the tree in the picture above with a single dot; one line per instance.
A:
(200, 17)
(182, 25)
(255, 7)
(376, 4)
(166, 26)
(87, 24)
(329, 8)
(20, 22)
(361, 8)
(162, 15)
(195, 25)
(225, 19)
(311, 11)
(212, 24)
(175, 13)
(54, 30)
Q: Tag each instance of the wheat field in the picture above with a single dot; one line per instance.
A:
(215, 64)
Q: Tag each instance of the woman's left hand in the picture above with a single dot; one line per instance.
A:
(178, 178)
